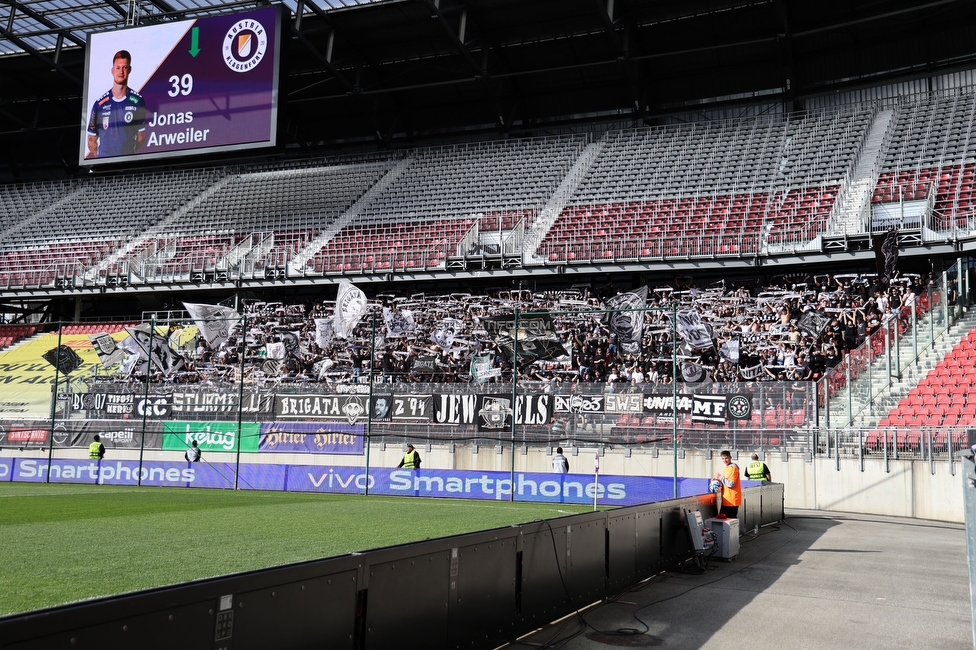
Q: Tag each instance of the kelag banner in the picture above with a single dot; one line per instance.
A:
(210, 436)
(457, 484)
(312, 437)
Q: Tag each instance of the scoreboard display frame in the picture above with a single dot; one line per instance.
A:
(198, 86)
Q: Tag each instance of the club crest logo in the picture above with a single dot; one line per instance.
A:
(60, 434)
(740, 407)
(244, 45)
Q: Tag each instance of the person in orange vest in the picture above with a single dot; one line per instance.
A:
(731, 487)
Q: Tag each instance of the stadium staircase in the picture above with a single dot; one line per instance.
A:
(559, 199)
(852, 211)
(14, 334)
(868, 412)
(298, 263)
(172, 223)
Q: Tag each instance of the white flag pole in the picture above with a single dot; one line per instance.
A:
(596, 477)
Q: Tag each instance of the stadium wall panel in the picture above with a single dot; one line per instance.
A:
(473, 591)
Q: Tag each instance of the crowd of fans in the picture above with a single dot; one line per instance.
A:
(757, 334)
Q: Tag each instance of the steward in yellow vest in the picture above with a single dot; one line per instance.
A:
(96, 450)
(757, 470)
(411, 459)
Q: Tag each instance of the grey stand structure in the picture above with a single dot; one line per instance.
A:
(969, 500)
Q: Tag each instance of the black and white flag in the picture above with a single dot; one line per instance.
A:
(535, 337)
(813, 322)
(398, 322)
(730, 351)
(481, 368)
(323, 332)
(293, 344)
(108, 350)
(150, 352)
(692, 330)
(215, 322)
(63, 358)
(276, 350)
(350, 308)
(626, 320)
(445, 332)
(693, 373)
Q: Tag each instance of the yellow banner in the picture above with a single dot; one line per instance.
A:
(26, 378)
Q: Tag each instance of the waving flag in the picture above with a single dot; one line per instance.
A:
(349, 309)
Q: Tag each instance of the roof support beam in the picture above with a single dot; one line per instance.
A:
(164, 6)
(323, 60)
(17, 5)
(115, 5)
(54, 65)
(457, 42)
(604, 9)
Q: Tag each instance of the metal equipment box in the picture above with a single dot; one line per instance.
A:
(726, 536)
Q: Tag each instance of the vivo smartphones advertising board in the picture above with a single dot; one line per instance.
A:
(193, 86)
(336, 479)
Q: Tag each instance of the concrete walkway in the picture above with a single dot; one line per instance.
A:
(814, 582)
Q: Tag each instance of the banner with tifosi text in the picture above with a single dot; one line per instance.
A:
(211, 436)
(126, 406)
(312, 437)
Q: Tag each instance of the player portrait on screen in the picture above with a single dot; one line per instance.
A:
(117, 125)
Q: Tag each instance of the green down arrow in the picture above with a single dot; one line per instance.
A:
(194, 41)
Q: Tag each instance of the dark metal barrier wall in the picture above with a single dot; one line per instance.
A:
(468, 591)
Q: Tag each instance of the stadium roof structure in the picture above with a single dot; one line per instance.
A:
(381, 73)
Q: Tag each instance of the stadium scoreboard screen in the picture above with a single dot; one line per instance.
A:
(187, 87)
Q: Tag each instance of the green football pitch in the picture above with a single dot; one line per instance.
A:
(64, 543)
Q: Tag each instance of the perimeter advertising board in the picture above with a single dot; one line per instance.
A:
(192, 86)
(609, 490)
